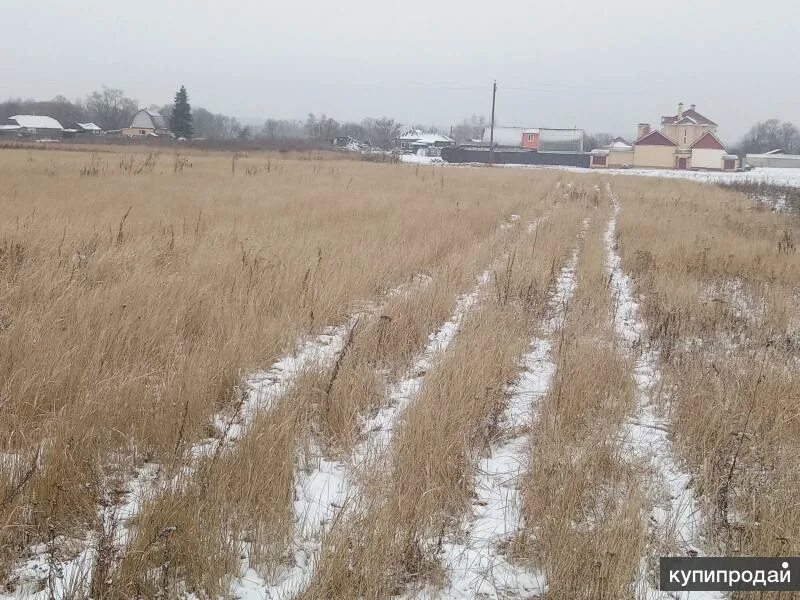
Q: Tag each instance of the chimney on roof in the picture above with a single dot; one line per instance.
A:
(692, 106)
(642, 130)
(680, 109)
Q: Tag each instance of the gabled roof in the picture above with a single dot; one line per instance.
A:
(415, 135)
(89, 127)
(36, 122)
(710, 141)
(654, 138)
(153, 120)
(619, 143)
(690, 117)
(411, 134)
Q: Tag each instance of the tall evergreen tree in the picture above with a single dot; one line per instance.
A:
(180, 123)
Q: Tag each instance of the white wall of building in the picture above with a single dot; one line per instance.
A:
(781, 161)
(707, 158)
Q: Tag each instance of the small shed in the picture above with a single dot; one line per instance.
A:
(92, 128)
(82, 129)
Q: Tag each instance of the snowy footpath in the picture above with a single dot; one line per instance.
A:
(474, 561)
(324, 487)
(676, 516)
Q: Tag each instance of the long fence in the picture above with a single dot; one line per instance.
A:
(515, 157)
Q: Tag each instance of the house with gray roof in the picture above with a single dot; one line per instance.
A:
(147, 122)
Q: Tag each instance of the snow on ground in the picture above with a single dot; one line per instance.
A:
(69, 571)
(475, 564)
(265, 389)
(421, 160)
(772, 176)
(323, 486)
(676, 514)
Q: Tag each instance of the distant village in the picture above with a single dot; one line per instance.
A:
(44, 128)
(686, 140)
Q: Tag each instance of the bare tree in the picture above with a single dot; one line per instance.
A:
(469, 129)
(596, 140)
(385, 131)
(771, 135)
(110, 108)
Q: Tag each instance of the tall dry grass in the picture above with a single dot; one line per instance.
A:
(135, 295)
(583, 502)
(138, 291)
(416, 497)
(719, 279)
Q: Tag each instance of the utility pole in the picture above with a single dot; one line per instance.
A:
(491, 132)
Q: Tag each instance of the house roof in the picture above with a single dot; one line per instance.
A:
(690, 117)
(155, 119)
(619, 143)
(416, 135)
(89, 127)
(36, 122)
(710, 141)
(654, 138)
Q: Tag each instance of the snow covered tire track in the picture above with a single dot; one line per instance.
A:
(677, 513)
(477, 567)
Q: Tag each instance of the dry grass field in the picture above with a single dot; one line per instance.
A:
(302, 376)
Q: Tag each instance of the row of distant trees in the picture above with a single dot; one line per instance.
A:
(770, 135)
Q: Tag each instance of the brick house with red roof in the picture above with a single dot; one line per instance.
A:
(687, 140)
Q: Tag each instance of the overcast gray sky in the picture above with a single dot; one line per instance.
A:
(602, 65)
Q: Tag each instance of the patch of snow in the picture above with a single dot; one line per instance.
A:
(475, 563)
(59, 570)
(264, 390)
(323, 487)
(421, 160)
(766, 175)
(677, 512)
